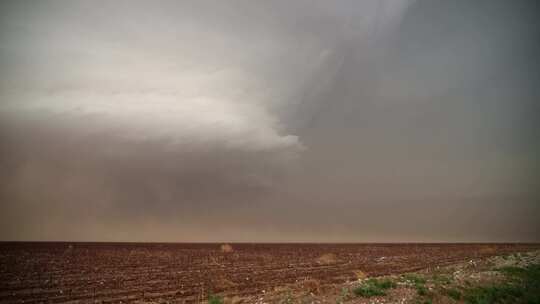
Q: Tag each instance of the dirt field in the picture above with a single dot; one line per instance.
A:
(107, 272)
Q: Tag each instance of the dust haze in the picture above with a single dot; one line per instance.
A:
(270, 121)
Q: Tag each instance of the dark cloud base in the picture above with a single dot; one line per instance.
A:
(370, 121)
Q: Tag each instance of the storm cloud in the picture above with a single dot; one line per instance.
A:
(269, 121)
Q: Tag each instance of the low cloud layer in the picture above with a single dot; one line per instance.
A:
(251, 121)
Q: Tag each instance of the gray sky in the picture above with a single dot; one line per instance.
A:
(269, 120)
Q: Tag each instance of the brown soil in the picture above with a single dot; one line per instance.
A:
(130, 272)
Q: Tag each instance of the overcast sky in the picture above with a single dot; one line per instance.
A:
(268, 121)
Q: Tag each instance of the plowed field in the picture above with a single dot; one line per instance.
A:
(114, 272)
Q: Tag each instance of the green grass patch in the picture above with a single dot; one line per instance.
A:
(415, 279)
(215, 299)
(374, 287)
(421, 290)
(512, 271)
(453, 294)
(492, 294)
(442, 279)
(523, 286)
